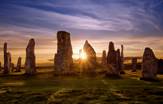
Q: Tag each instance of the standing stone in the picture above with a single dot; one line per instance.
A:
(63, 58)
(9, 64)
(149, 65)
(104, 59)
(0, 67)
(111, 58)
(90, 64)
(160, 66)
(134, 64)
(18, 67)
(30, 62)
(118, 62)
(12, 67)
(6, 69)
(122, 57)
(113, 61)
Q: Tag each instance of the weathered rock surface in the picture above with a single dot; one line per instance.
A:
(90, 64)
(6, 60)
(18, 67)
(134, 64)
(149, 65)
(30, 61)
(118, 61)
(122, 58)
(63, 58)
(111, 57)
(0, 66)
(104, 59)
(160, 66)
(9, 65)
(113, 61)
(12, 67)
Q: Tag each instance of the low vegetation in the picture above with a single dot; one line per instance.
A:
(49, 89)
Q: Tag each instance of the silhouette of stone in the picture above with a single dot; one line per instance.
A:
(12, 67)
(18, 67)
(104, 59)
(0, 66)
(91, 57)
(149, 65)
(6, 69)
(63, 58)
(114, 61)
(118, 61)
(111, 57)
(30, 62)
(160, 66)
(122, 60)
(9, 61)
(134, 64)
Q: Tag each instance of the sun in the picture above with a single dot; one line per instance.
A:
(82, 54)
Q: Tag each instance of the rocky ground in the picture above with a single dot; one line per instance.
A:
(49, 89)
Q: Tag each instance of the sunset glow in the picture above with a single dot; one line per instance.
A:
(98, 21)
(82, 55)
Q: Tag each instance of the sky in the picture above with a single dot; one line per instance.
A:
(134, 23)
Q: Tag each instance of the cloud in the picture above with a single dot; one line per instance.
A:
(136, 24)
(110, 16)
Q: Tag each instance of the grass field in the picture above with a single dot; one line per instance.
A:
(49, 89)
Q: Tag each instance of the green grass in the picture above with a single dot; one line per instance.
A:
(49, 89)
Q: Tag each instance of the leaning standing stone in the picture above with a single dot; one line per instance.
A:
(90, 64)
(30, 62)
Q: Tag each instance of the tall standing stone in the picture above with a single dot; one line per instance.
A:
(63, 58)
(134, 64)
(6, 69)
(122, 57)
(122, 60)
(104, 59)
(90, 64)
(160, 66)
(149, 65)
(118, 62)
(9, 64)
(30, 61)
(111, 57)
(0, 67)
(18, 67)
